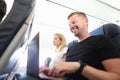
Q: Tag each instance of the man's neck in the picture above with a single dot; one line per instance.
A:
(83, 37)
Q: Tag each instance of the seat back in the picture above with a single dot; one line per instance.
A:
(111, 30)
(108, 29)
(15, 31)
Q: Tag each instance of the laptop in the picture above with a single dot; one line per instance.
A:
(33, 60)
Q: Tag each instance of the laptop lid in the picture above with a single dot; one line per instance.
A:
(33, 57)
(33, 60)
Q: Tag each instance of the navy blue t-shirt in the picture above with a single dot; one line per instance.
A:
(92, 51)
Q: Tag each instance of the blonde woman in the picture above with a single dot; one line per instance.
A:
(60, 44)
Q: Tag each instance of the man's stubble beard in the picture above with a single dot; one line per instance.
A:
(77, 35)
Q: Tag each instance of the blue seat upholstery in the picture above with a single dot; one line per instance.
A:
(109, 29)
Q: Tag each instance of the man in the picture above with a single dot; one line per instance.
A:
(2, 9)
(92, 58)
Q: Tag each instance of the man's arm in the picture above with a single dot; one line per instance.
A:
(112, 72)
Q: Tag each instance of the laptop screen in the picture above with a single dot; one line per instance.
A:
(33, 60)
(33, 57)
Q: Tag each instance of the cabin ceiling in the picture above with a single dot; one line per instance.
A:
(105, 10)
(113, 3)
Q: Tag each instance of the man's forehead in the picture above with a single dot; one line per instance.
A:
(74, 18)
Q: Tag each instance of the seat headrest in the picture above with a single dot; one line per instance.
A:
(98, 31)
(111, 30)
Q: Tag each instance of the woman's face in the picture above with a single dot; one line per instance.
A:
(56, 41)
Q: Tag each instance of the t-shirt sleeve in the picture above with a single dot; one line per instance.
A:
(106, 49)
(64, 51)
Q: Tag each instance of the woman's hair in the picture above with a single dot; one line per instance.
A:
(63, 41)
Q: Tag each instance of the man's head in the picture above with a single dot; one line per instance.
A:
(2, 9)
(78, 23)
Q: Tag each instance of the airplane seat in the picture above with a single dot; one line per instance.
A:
(14, 34)
(113, 31)
(110, 29)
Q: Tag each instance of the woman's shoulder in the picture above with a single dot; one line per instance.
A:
(65, 48)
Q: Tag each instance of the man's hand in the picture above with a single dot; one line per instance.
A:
(44, 70)
(62, 68)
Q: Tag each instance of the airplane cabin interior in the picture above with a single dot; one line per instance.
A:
(28, 27)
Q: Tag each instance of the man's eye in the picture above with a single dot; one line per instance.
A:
(73, 22)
